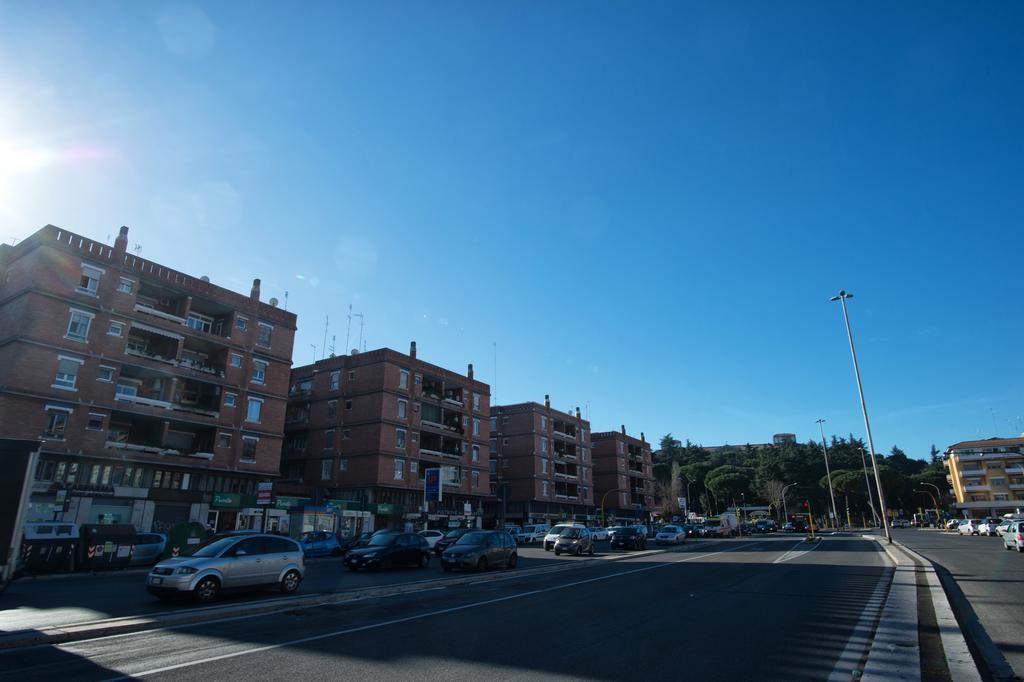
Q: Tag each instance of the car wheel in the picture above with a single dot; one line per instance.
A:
(481, 565)
(424, 560)
(336, 551)
(290, 582)
(558, 552)
(512, 561)
(591, 552)
(353, 568)
(206, 590)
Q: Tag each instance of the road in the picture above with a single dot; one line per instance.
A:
(765, 608)
(988, 576)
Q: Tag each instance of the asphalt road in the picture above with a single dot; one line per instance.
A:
(31, 603)
(991, 579)
(764, 608)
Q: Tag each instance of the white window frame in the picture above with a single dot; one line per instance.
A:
(326, 469)
(475, 453)
(232, 397)
(88, 325)
(220, 435)
(476, 426)
(329, 439)
(241, 323)
(110, 369)
(51, 412)
(259, 410)
(403, 378)
(399, 469)
(205, 322)
(126, 281)
(401, 438)
(255, 372)
(403, 408)
(543, 423)
(231, 359)
(94, 274)
(543, 443)
(544, 489)
(241, 454)
(543, 465)
(119, 325)
(476, 400)
(259, 334)
(335, 380)
(73, 385)
(475, 479)
(102, 417)
(343, 464)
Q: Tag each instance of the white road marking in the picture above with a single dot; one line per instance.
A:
(794, 554)
(420, 616)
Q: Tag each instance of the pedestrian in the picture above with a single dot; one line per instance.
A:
(409, 527)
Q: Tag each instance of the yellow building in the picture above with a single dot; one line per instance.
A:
(987, 476)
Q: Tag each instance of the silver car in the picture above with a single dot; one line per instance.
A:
(1013, 538)
(228, 563)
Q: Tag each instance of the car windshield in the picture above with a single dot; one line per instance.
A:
(569, 533)
(214, 548)
(382, 540)
(626, 531)
(475, 538)
(670, 529)
(457, 533)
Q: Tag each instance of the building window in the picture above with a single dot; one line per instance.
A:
(494, 424)
(475, 454)
(249, 448)
(346, 434)
(998, 480)
(403, 378)
(476, 427)
(543, 423)
(476, 401)
(90, 281)
(543, 466)
(335, 379)
(241, 323)
(105, 374)
(399, 473)
(263, 338)
(399, 438)
(115, 328)
(67, 372)
(223, 440)
(236, 360)
(229, 399)
(504, 442)
(125, 285)
(476, 479)
(343, 464)
(494, 467)
(494, 445)
(201, 323)
(129, 389)
(351, 375)
(326, 469)
(253, 412)
(403, 408)
(95, 422)
(329, 439)
(348, 404)
(620, 447)
(543, 488)
(332, 409)
(78, 325)
(259, 371)
(56, 424)
(543, 444)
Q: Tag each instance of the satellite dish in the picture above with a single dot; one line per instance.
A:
(355, 351)
(205, 278)
(273, 302)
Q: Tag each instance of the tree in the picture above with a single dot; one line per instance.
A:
(728, 481)
(773, 491)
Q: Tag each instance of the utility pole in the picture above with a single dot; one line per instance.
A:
(348, 333)
(867, 484)
(828, 474)
(841, 297)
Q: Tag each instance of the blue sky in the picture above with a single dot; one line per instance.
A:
(646, 207)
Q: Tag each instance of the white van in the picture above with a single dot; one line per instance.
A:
(532, 533)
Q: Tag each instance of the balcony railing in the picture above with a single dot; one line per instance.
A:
(563, 434)
(148, 310)
(977, 488)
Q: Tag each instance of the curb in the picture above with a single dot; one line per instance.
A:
(894, 652)
(130, 624)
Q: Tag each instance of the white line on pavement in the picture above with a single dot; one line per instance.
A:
(419, 616)
(790, 553)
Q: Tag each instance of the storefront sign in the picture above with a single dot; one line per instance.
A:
(263, 492)
(284, 502)
(385, 509)
(227, 500)
(432, 484)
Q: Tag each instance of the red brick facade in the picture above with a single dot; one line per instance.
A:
(622, 473)
(138, 379)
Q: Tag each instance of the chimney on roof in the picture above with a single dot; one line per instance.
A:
(469, 371)
(623, 429)
(547, 400)
(578, 412)
(412, 350)
(121, 243)
(254, 294)
(642, 439)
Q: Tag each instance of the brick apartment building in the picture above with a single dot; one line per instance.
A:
(987, 476)
(622, 470)
(540, 465)
(361, 429)
(157, 396)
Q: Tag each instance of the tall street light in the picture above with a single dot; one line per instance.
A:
(938, 494)
(867, 484)
(785, 509)
(828, 474)
(841, 297)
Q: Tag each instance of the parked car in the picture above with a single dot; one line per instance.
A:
(574, 540)
(481, 549)
(533, 533)
(644, 529)
(449, 539)
(552, 535)
(627, 537)
(952, 524)
(901, 523)
(1013, 538)
(968, 527)
(713, 529)
(227, 563)
(514, 531)
(431, 536)
(351, 541)
(988, 526)
(388, 550)
(670, 535)
(691, 530)
(1004, 525)
(148, 548)
(321, 543)
(600, 534)
(764, 526)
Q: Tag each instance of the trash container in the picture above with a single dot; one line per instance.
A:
(183, 538)
(50, 547)
(107, 546)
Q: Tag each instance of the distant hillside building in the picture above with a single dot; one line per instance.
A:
(987, 476)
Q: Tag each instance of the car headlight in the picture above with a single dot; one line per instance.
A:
(371, 555)
(185, 570)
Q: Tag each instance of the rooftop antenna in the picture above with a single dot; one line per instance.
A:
(313, 346)
(362, 320)
(286, 301)
(333, 340)
(348, 334)
(327, 321)
(588, 410)
(137, 249)
(494, 380)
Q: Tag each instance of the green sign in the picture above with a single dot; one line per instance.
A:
(284, 502)
(385, 509)
(227, 500)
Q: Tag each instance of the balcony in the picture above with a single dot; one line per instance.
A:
(441, 418)
(162, 313)
(436, 445)
(433, 387)
(566, 451)
(165, 437)
(976, 471)
(977, 488)
(1017, 486)
(566, 471)
(1015, 469)
(297, 414)
(564, 429)
(453, 396)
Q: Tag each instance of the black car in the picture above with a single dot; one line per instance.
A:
(628, 538)
(388, 550)
(449, 539)
(478, 550)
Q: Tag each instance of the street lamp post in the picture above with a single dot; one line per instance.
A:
(938, 494)
(828, 475)
(867, 484)
(841, 297)
(785, 508)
